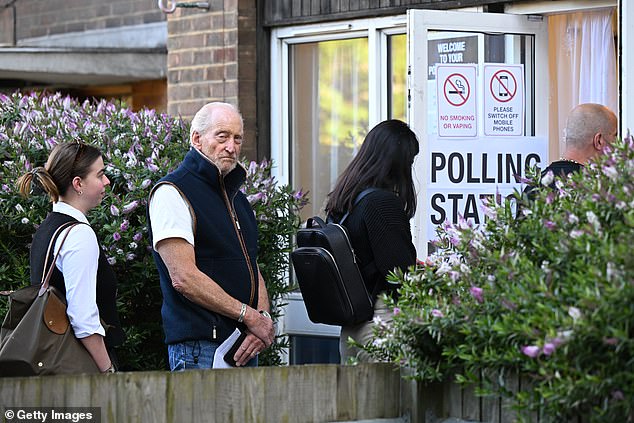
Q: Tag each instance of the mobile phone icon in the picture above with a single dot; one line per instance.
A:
(503, 86)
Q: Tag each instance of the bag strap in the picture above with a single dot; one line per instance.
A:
(357, 200)
(46, 276)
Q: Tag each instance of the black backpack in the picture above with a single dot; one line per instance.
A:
(326, 268)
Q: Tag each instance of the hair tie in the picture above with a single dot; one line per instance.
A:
(34, 171)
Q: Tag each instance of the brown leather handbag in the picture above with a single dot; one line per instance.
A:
(36, 337)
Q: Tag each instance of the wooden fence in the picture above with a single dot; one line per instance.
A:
(310, 393)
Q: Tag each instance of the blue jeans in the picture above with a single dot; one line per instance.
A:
(199, 354)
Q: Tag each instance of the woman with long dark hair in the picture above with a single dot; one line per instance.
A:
(74, 180)
(378, 225)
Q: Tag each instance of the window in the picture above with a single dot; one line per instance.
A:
(397, 76)
(331, 83)
(329, 117)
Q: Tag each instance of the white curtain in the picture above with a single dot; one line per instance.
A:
(583, 67)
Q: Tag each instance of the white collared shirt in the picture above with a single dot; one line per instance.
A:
(78, 261)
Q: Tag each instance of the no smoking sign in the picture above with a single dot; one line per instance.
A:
(455, 86)
(457, 89)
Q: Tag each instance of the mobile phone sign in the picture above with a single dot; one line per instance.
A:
(504, 104)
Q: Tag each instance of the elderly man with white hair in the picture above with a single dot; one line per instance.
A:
(204, 236)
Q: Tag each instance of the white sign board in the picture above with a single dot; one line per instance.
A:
(456, 94)
(460, 174)
(504, 100)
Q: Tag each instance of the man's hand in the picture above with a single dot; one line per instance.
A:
(251, 347)
(260, 326)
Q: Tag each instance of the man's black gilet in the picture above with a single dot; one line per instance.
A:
(226, 237)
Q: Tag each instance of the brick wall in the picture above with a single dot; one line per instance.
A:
(212, 57)
(38, 18)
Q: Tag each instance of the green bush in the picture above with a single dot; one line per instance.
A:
(548, 295)
(139, 149)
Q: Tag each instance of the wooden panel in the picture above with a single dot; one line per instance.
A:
(429, 403)
(471, 405)
(452, 399)
(369, 385)
(335, 6)
(512, 385)
(53, 390)
(296, 8)
(137, 397)
(287, 12)
(7, 27)
(525, 384)
(490, 404)
(306, 10)
(104, 395)
(77, 391)
(269, 394)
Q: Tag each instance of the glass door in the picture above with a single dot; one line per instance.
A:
(478, 98)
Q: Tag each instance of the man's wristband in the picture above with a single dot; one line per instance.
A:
(243, 313)
(266, 314)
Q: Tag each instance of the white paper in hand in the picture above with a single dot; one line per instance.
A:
(219, 361)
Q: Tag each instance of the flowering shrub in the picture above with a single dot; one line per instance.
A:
(138, 148)
(548, 295)
(277, 213)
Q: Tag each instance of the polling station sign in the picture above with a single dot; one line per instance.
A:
(461, 174)
(456, 97)
(504, 111)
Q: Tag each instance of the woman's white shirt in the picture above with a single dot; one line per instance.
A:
(78, 260)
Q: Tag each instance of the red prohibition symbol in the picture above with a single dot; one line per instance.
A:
(458, 89)
(505, 88)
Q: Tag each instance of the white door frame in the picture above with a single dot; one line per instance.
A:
(626, 55)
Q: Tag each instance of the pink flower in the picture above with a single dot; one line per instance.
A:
(531, 351)
(116, 236)
(550, 198)
(610, 341)
(549, 224)
(254, 198)
(477, 294)
(396, 311)
(437, 313)
(253, 167)
(128, 208)
(618, 395)
(549, 348)
(114, 210)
